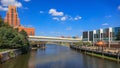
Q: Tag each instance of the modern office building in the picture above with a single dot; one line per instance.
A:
(111, 36)
(13, 20)
(107, 34)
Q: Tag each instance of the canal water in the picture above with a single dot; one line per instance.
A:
(56, 56)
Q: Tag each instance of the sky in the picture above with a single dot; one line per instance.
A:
(65, 17)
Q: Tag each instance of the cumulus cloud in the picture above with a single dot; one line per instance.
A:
(63, 18)
(119, 7)
(54, 12)
(67, 17)
(60, 16)
(77, 18)
(105, 24)
(11, 2)
(3, 8)
(27, 0)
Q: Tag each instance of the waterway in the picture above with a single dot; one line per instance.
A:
(56, 56)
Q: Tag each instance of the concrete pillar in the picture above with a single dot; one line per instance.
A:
(109, 39)
(101, 31)
(94, 32)
(88, 36)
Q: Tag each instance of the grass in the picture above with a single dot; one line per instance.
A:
(105, 57)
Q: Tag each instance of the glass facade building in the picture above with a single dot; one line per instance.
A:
(85, 36)
(107, 34)
(91, 35)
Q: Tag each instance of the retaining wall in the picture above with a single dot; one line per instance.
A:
(6, 55)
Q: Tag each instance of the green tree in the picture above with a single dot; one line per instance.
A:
(11, 38)
(87, 44)
(23, 33)
(1, 21)
(80, 43)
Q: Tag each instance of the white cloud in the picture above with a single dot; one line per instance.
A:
(77, 18)
(3, 8)
(119, 7)
(67, 17)
(69, 28)
(54, 12)
(56, 18)
(105, 24)
(63, 18)
(41, 12)
(60, 16)
(27, 0)
(11, 2)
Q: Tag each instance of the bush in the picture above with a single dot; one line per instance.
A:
(87, 44)
(11, 54)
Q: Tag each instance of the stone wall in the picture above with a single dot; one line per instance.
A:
(4, 56)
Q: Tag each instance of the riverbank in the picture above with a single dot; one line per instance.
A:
(8, 54)
(97, 52)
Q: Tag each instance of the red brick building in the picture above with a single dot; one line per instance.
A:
(13, 20)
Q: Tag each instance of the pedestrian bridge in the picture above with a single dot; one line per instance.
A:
(52, 39)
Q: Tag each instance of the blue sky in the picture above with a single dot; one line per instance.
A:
(65, 17)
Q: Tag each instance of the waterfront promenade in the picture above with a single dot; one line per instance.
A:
(114, 53)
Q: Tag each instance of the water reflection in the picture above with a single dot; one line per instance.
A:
(18, 62)
(56, 56)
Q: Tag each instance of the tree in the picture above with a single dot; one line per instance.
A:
(80, 43)
(1, 21)
(87, 44)
(23, 33)
(11, 38)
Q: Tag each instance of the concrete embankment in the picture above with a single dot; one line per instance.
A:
(98, 53)
(6, 55)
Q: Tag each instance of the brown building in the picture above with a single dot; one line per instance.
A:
(13, 20)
